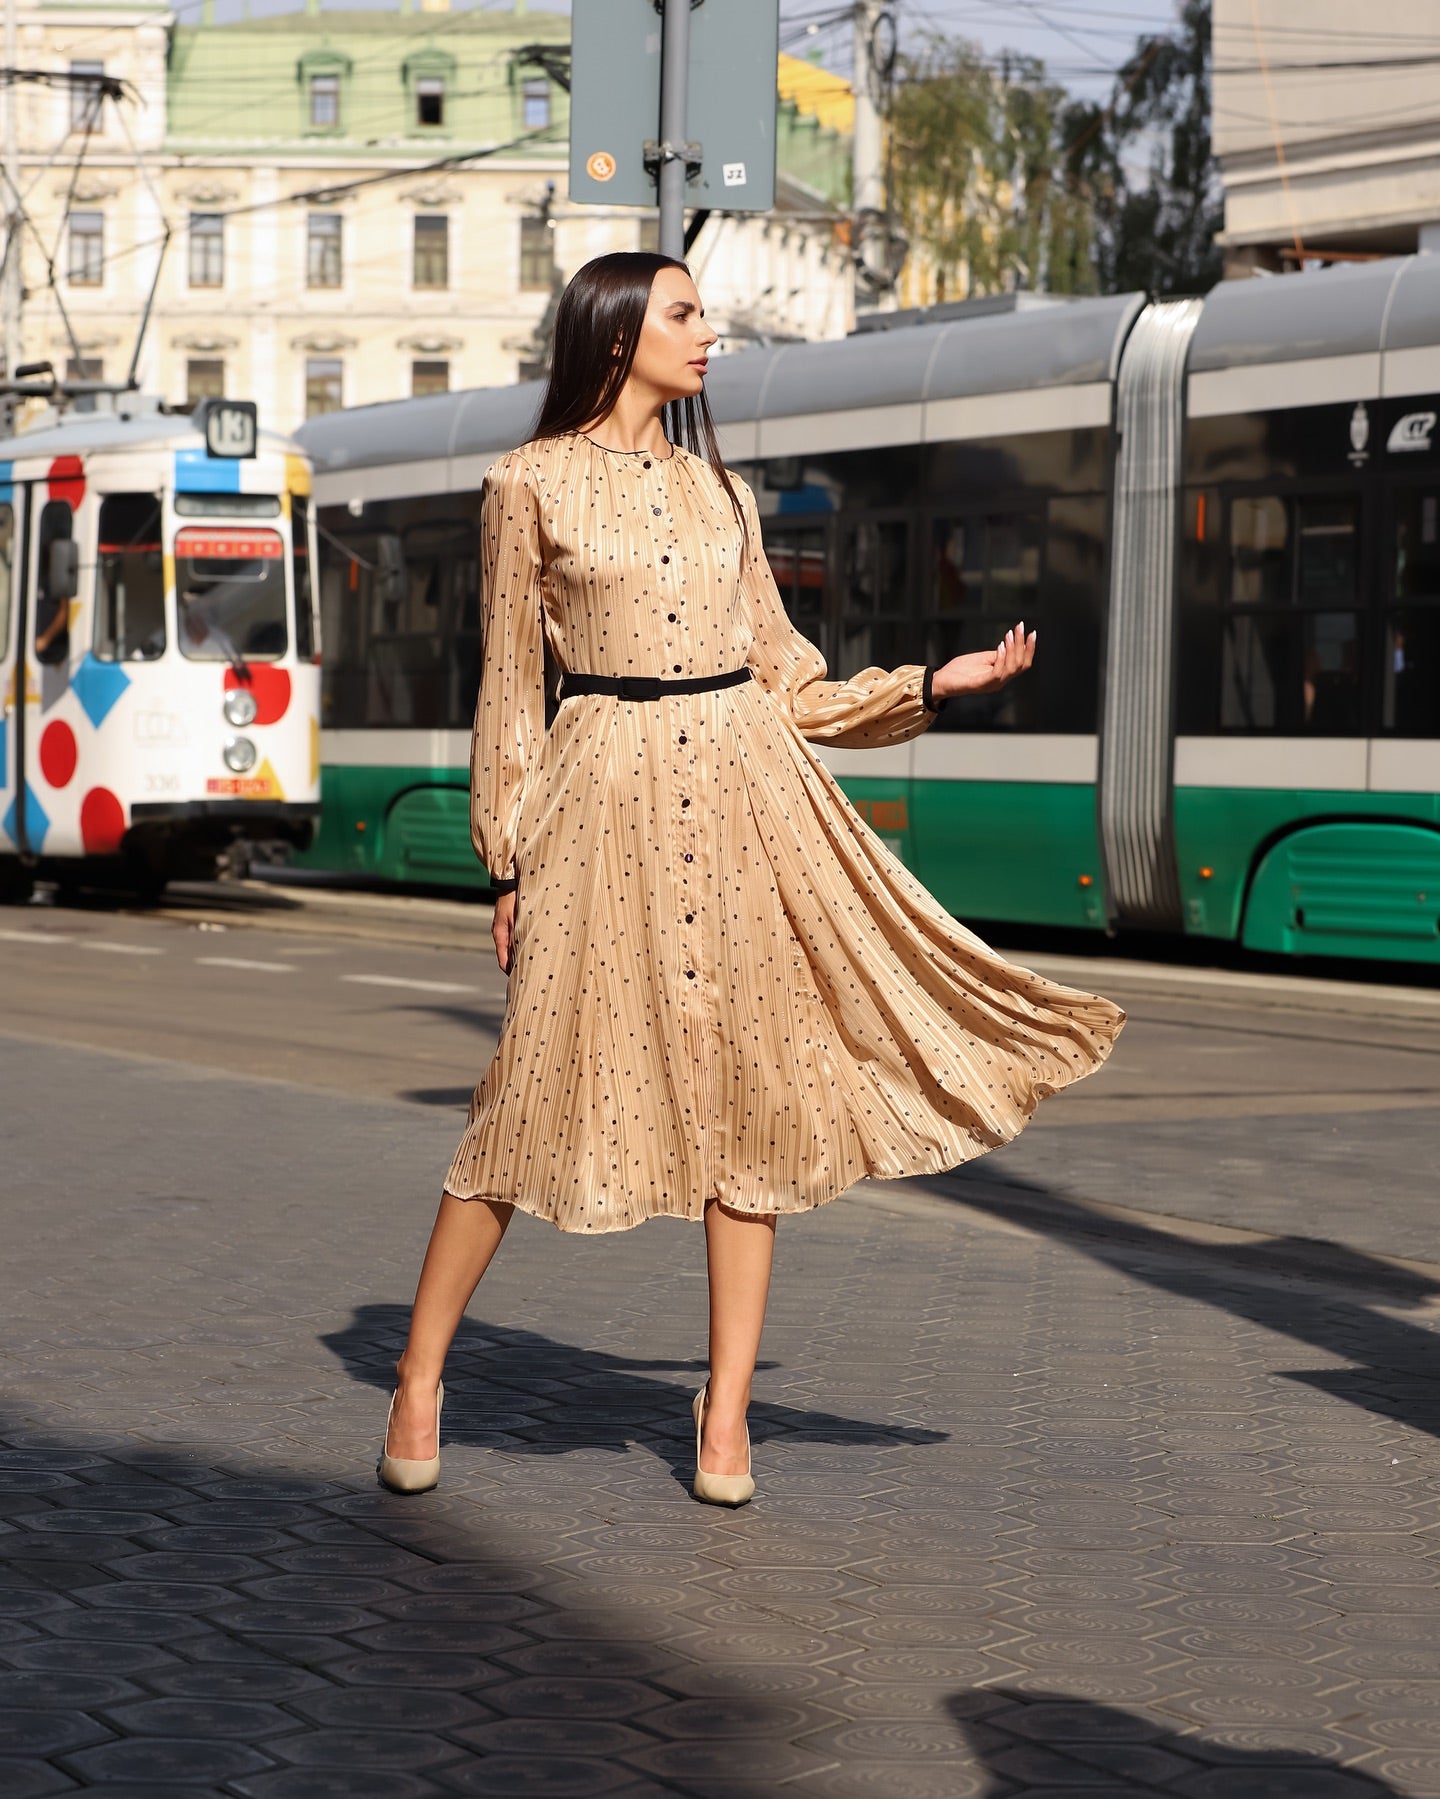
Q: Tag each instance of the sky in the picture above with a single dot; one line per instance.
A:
(1082, 42)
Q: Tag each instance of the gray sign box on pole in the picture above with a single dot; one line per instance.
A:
(615, 102)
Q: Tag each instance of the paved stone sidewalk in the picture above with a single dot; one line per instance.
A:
(1044, 1511)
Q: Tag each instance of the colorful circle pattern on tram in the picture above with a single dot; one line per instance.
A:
(59, 753)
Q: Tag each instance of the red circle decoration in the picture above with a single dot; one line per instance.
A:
(67, 479)
(58, 753)
(270, 686)
(102, 822)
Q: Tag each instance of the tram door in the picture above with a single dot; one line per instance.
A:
(39, 574)
(14, 676)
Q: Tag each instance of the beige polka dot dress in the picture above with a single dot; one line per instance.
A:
(723, 985)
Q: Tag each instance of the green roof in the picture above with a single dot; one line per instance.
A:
(247, 82)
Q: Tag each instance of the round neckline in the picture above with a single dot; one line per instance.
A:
(662, 460)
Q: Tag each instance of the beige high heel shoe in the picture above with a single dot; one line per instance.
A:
(405, 1474)
(718, 1489)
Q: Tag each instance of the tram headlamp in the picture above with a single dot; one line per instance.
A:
(239, 707)
(239, 754)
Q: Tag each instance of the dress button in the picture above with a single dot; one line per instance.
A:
(646, 463)
(656, 511)
(678, 666)
(689, 974)
(664, 558)
(684, 802)
(684, 738)
(688, 856)
(671, 617)
(689, 918)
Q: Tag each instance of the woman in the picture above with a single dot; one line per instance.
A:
(726, 999)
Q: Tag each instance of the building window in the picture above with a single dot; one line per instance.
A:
(535, 104)
(537, 253)
(85, 96)
(87, 249)
(207, 249)
(322, 254)
(432, 251)
(429, 378)
(325, 102)
(323, 383)
(204, 380)
(430, 100)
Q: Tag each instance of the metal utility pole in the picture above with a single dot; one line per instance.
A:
(674, 150)
(871, 244)
(10, 297)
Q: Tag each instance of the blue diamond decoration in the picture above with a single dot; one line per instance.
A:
(4, 752)
(97, 685)
(37, 822)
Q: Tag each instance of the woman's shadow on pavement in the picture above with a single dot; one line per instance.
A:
(1048, 1742)
(532, 1395)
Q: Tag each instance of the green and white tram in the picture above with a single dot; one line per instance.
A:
(1222, 516)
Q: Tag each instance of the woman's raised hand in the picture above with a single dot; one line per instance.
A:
(502, 928)
(985, 671)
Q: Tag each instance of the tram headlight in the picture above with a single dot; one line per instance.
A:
(239, 707)
(239, 754)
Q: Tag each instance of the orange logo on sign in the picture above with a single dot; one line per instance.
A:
(600, 166)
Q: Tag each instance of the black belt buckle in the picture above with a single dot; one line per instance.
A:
(639, 687)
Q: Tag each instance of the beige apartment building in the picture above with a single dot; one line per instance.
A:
(347, 206)
(1327, 128)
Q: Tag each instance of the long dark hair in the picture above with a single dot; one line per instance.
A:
(597, 329)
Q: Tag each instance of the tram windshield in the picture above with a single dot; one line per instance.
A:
(230, 593)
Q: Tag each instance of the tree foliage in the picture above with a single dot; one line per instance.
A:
(1003, 180)
(978, 175)
(1158, 231)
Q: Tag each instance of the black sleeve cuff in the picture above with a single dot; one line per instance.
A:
(927, 696)
(506, 886)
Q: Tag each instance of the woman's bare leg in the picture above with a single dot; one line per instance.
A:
(466, 1235)
(740, 1249)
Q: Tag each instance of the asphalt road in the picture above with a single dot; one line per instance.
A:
(1107, 1464)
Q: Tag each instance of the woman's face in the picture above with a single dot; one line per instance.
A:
(674, 340)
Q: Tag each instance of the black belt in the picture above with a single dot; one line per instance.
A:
(648, 687)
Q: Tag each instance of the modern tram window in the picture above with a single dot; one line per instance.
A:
(1410, 684)
(876, 629)
(230, 593)
(7, 578)
(52, 627)
(796, 554)
(983, 577)
(304, 591)
(1290, 649)
(129, 580)
(400, 612)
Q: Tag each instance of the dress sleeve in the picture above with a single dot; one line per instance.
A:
(876, 707)
(510, 711)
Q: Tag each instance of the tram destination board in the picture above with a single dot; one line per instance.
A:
(231, 427)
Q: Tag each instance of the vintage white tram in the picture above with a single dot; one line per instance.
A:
(159, 653)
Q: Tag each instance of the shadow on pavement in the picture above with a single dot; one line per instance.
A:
(1053, 1742)
(170, 1626)
(532, 1395)
(1398, 1362)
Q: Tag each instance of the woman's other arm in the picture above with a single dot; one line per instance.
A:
(510, 709)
